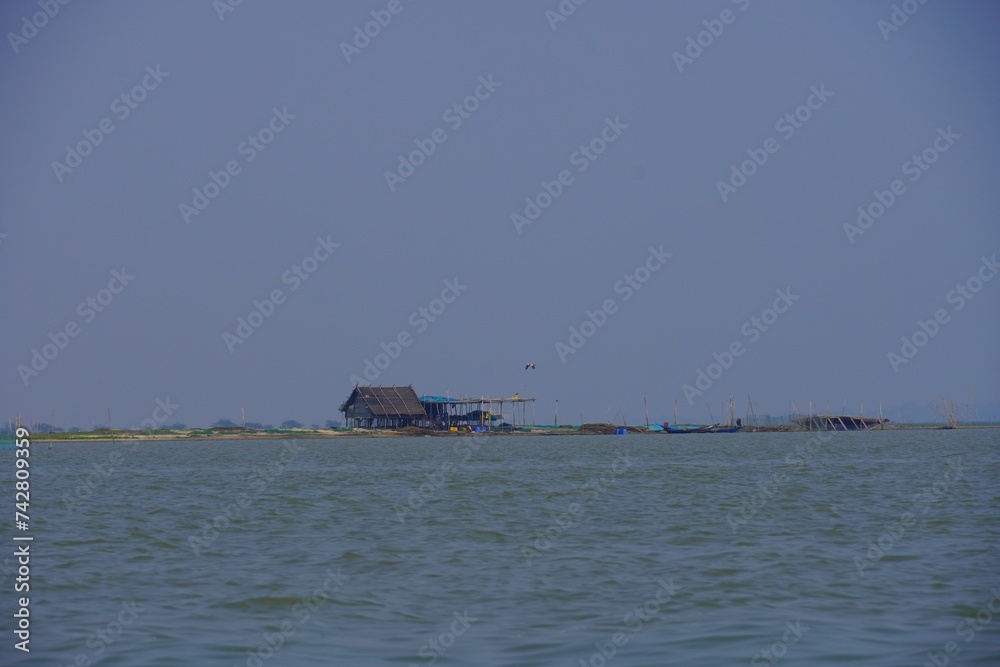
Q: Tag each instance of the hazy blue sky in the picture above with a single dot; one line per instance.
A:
(329, 121)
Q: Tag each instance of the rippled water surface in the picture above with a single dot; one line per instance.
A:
(860, 548)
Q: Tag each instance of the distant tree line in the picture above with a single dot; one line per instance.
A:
(287, 424)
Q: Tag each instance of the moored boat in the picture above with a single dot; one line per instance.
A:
(687, 428)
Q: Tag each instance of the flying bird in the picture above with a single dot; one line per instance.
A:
(527, 366)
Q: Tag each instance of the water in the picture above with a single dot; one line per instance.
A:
(469, 567)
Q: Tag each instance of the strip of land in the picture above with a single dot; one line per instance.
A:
(210, 434)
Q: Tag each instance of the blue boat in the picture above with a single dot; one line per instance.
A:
(698, 428)
(687, 428)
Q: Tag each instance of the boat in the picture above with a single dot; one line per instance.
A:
(688, 428)
(735, 425)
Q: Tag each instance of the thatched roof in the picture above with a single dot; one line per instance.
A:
(386, 401)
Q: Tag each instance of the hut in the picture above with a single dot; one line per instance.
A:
(383, 407)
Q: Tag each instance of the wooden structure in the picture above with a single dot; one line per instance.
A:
(383, 407)
(444, 411)
(839, 423)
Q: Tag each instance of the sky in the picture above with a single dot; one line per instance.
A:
(649, 201)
